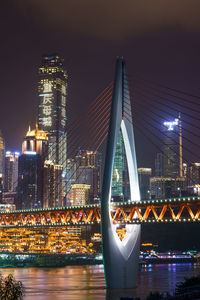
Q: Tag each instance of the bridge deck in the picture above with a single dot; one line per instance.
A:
(185, 209)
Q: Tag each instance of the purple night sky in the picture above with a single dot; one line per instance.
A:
(160, 41)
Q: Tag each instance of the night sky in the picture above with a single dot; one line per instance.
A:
(160, 40)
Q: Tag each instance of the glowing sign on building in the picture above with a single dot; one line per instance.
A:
(170, 125)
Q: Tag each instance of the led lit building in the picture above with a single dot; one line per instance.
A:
(88, 170)
(31, 169)
(52, 185)
(1, 187)
(7, 207)
(9, 197)
(192, 173)
(11, 171)
(80, 194)
(36, 140)
(169, 180)
(52, 89)
(2, 154)
(172, 149)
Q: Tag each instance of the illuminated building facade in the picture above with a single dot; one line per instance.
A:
(88, 170)
(52, 89)
(1, 187)
(192, 172)
(11, 171)
(52, 185)
(44, 240)
(169, 180)
(172, 149)
(30, 174)
(7, 207)
(10, 197)
(2, 154)
(36, 141)
(31, 169)
(80, 194)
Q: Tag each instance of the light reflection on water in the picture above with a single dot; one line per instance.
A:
(87, 282)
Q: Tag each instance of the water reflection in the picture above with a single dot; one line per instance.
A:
(87, 282)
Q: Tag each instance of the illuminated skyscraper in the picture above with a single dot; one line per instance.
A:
(88, 170)
(30, 176)
(172, 149)
(31, 169)
(52, 88)
(36, 141)
(2, 154)
(52, 185)
(11, 171)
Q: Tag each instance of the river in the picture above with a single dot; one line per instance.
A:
(87, 282)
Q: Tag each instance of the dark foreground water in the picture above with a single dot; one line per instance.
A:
(87, 282)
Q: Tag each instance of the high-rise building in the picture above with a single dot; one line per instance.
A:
(11, 171)
(80, 194)
(169, 180)
(2, 154)
(159, 165)
(172, 149)
(166, 187)
(36, 140)
(69, 180)
(31, 169)
(52, 89)
(1, 187)
(88, 170)
(192, 174)
(52, 185)
(30, 174)
(144, 175)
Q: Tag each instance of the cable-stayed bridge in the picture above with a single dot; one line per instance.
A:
(128, 103)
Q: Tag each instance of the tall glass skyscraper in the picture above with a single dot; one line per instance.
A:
(11, 171)
(2, 154)
(172, 149)
(52, 89)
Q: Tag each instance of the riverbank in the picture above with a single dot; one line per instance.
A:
(19, 260)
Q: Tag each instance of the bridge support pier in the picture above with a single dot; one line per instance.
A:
(120, 257)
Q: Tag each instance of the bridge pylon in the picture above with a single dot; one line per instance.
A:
(120, 256)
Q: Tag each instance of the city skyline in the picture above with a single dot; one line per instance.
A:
(99, 149)
(156, 55)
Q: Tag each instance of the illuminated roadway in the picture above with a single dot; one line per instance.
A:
(186, 209)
